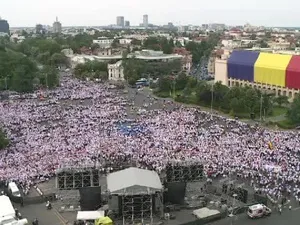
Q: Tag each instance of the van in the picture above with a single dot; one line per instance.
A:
(258, 211)
(13, 189)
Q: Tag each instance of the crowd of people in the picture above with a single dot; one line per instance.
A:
(78, 123)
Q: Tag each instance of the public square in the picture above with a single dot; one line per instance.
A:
(78, 124)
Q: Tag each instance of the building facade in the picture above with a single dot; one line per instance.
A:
(39, 29)
(57, 27)
(103, 41)
(273, 73)
(211, 65)
(127, 23)
(120, 21)
(116, 71)
(103, 52)
(187, 59)
(4, 26)
(145, 21)
(125, 41)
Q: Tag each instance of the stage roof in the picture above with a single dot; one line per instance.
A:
(134, 181)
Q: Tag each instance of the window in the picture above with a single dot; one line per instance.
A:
(260, 211)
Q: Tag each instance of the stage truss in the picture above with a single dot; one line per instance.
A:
(69, 179)
(140, 208)
(184, 171)
(137, 209)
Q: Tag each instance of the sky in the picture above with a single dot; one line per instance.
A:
(28, 13)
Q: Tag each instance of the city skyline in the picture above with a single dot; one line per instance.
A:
(76, 13)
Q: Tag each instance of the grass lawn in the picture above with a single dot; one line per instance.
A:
(285, 124)
(278, 111)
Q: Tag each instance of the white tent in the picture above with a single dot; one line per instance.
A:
(205, 212)
(134, 181)
(89, 215)
(6, 208)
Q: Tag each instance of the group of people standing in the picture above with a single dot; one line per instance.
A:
(78, 123)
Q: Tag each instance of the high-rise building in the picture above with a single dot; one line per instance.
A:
(39, 29)
(4, 26)
(57, 26)
(127, 23)
(120, 21)
(145, 21)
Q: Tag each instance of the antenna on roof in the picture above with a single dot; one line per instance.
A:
(56, 19)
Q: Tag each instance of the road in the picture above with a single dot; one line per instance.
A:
(288, 217)
(44, 216)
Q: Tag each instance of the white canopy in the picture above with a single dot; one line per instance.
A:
(205, 212)
(89, 215)
(6, 208)
(134, 181)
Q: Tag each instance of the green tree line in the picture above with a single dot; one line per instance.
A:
(92, 70)
(237, 101)
(135, 69)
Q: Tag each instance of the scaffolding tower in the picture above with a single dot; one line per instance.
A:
(70, 178)
(184, 171)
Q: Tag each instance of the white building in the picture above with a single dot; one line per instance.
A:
(103, 41)
(116, 71)
(67, 52)
(140, 37)
(124, 41)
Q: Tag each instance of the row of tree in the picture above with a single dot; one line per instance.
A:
(204, 48)
(29, 65)
(159, 44)
(236, 100)
(91, 70)
(4, 142)
(135, 69)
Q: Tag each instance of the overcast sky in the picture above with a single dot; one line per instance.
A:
(104, 12)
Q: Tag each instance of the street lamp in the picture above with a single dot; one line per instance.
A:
(212, 99)
(233, 203)
(231, 215)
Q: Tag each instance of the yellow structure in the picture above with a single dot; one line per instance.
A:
(104, 221)
(271, 69)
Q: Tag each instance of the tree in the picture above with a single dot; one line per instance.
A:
(4, 142)
(165, 84)
(263, 44)
(95, 46)
(133, 69)
(159, 44)
(203, 49)
(203, 93)
(253, 36)
(92, 70)
(115, 43)
(136, 42)
(58, 59)
(22, 80)
(181, 81)
(49, 77)
(251, 101)
(293, 113)
(236, 106)
(281, 100)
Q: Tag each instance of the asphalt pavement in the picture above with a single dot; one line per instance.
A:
(288, 217)
(44, 216)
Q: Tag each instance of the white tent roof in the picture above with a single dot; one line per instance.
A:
(205, 212)
(6, 208)
(133, 181)
(89, 215)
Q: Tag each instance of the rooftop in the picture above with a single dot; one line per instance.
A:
(134, 181)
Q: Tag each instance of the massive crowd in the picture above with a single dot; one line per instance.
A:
(77, 125)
